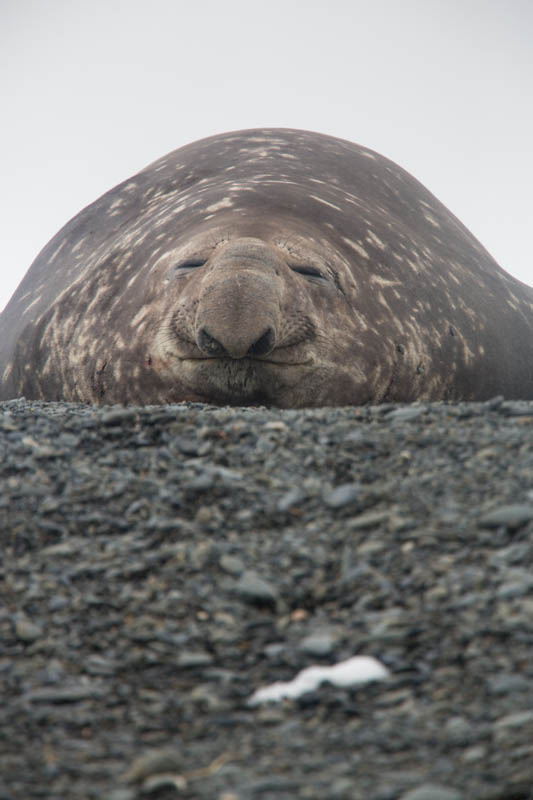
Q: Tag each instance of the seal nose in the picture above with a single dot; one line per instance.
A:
(236, 346)
(238, 311)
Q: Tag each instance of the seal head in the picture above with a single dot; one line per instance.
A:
(276, 267)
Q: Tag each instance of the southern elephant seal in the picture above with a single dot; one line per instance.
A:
(269, 266)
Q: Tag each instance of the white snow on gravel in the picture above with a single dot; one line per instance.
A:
(353, 671)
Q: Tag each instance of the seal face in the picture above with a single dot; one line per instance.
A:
(276, 267)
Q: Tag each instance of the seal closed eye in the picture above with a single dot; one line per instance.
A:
(309, 272)
(269, 266)
(190, 264)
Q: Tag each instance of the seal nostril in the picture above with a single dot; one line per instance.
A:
(209, 345)
(234, 347)
(264, 344)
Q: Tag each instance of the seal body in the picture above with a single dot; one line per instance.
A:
(276, 267)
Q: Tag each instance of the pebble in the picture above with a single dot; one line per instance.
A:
(510, 516)
(254, 589)
(68, 694)
(519, 722)
(407, 414)
(517, 408)
(290, 499)
(341, 495)
(430, 791)
(508, 683)
(521, 553)
(120, 794)
(154, 762)
(155, 783)
(370, 519)
(459, 730)
(27, 630)
(319, 643)
(518, 585)
(233, 565)
(118, 416)
(193, 660)
(473, 754)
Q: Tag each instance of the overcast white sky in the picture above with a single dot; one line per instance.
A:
(93, 90)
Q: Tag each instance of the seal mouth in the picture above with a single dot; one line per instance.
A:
(243, 381)
(249, 360)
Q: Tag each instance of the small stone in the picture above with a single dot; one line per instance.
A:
(519, 553)
(391, 625)
(371, 519)
(120, 794)
(275, 651)
(117, 416)
(26, 630)
(100, 665)
(273, 784)
(187, 446)
(476, 753)
(405, 414)
(341, 789)
(227, 477)
(341, 495)
(254, 589)
(45, 452)
(508, 683)
(511, 516)
(164, 781)
(518, 408)
(204, 515)
(518, 584)
(154, 762)
(231, 564)
(72, 545)
(190, 659)
(520, 721)
(201, 483)
(319, 643)
(207, 699)
(357, 437)
(459, 730)
(53, 673)
(430, 791)
(6, 422)
(495, 402)
(290, 499)
(275, 425)
(68, 694)
(58, 602)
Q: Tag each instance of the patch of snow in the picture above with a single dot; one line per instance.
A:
(353, 671)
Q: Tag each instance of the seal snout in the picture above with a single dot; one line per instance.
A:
(236, 346)
(238, 313)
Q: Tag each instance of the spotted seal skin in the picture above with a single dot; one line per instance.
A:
(271, 266)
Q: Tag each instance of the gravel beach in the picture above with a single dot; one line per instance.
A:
(161, 564)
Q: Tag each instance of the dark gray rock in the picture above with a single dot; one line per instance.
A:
(509, 516)
(429, 791)
(254, 589)
(341, 495)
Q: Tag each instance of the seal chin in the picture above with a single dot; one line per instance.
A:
(245, 380)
